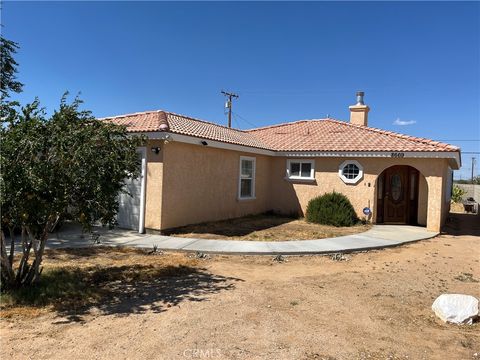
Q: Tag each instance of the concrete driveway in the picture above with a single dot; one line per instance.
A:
(380, 236)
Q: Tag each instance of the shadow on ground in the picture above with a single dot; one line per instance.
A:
(462, 224)
(121, 290)
(233, 227)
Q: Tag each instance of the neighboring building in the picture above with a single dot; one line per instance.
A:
(195, 171)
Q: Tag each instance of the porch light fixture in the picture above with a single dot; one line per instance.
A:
(204, 143)
(156, 149)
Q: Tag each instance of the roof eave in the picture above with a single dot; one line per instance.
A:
(453, 156)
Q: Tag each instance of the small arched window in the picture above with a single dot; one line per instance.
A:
(350, 171)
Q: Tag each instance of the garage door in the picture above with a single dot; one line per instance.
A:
(130, 212)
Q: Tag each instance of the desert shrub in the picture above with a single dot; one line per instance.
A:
(331, 209)
(457, 194)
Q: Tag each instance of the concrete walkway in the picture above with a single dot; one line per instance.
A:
(380, 236)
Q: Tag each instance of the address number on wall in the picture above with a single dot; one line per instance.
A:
(397, 155)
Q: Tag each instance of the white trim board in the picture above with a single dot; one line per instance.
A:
(406, 154)
(453, 155)
(211, 143)
(143, 175)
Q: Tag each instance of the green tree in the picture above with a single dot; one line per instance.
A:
(8, 78)
(69, 163)
(8, 81)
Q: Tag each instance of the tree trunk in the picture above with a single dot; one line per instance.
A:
(8, 275)
(34, 271)
(26, 274)
(12, 245)
(23, 267)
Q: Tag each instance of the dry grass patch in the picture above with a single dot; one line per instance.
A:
(78, 279)
(265, 228)
(28, 312)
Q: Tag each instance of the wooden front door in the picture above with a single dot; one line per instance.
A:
(398, 197)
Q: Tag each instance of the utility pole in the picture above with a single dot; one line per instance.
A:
(228, 105)
(473, 167)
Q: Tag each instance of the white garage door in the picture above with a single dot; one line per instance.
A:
(131, 206)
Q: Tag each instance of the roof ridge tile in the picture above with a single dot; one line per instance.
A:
(130, 114)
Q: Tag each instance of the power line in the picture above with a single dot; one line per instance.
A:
(473, 166)
(236, 120)
(239, 120)
(247, 121)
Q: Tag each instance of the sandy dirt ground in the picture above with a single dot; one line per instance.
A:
(264, 228)
(373, 305)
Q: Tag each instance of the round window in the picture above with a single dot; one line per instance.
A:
(350, 171)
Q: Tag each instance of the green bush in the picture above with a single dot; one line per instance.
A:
(331, 209)
(457, 194)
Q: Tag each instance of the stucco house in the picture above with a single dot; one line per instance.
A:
(195, 171)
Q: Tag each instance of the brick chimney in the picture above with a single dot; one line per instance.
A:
(359, 111)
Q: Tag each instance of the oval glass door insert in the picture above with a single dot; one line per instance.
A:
(396, 187)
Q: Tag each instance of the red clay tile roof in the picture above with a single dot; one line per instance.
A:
(335, 135)
(304, 135)
(141, 122)
(179, 124)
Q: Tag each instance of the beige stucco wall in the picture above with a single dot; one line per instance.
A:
(154, 186)
(189, 184)
(422, 201)
(293, 196)
(201, 184)
(437, 207)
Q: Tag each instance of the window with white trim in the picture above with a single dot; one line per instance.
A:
(301, 169)
(350, 171)
(246, 181)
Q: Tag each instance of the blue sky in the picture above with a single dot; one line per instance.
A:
(418, 62)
